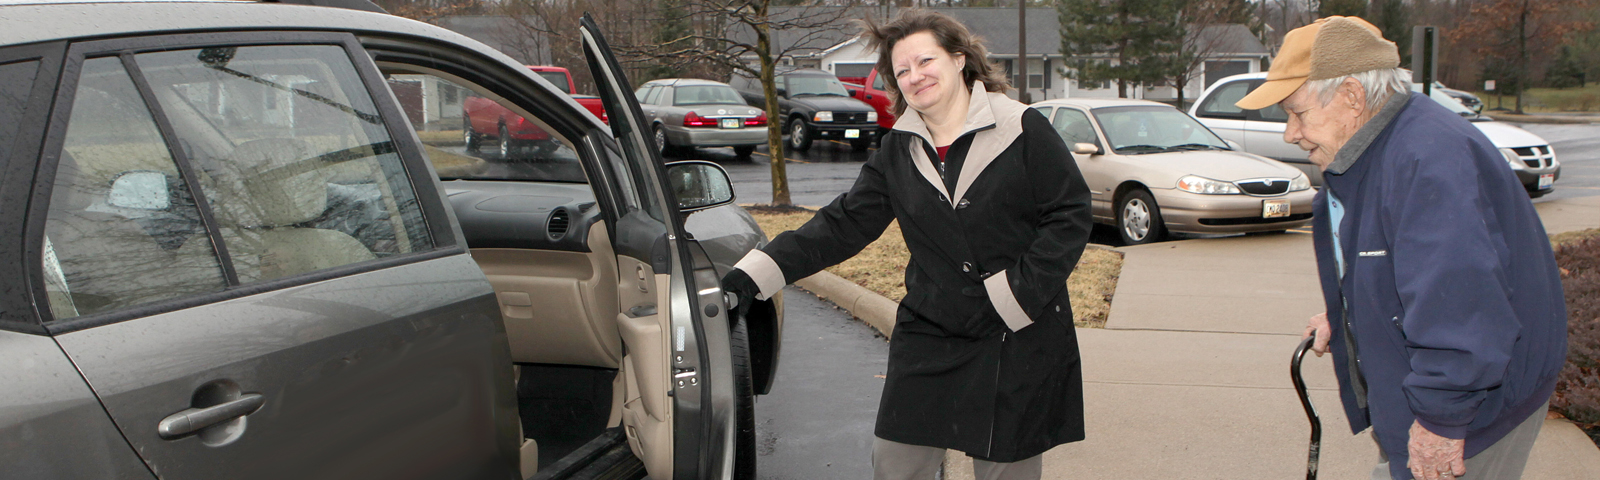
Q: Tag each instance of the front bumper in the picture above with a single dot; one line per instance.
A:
(1529, 177)
(716, 137)
(840, 131)
(1186, 212)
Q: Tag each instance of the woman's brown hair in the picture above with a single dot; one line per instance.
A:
(951, 35)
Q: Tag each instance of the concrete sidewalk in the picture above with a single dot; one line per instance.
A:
(1190, 377)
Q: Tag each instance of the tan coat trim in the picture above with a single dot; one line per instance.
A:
(765, 272)
(1005, 302)
(984, 109)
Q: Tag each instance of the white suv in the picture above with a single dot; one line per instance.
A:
(1261, 132)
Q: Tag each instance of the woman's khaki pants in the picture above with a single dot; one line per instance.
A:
(899, 461)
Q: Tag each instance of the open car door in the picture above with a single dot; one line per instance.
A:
(677, 366)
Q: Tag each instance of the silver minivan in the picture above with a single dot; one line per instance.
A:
(231, 257)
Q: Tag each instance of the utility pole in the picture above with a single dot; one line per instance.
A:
(1022, 52)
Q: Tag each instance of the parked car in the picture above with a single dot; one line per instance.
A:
(1261, 132)
(814, 105)
(232, 259)
(689, 113)
(1152, 169)
(1467, 99)
(484, 119)
(872, 91)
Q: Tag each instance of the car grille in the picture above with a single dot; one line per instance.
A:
(848, 117)
(1536, 157)
(1253, 220)
(1264, 186)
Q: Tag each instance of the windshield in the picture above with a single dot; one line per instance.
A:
(1154, 129)
(815, 85)
(1449, 102)
(558, 78)
(706, 95)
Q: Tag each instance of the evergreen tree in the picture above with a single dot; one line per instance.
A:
(1565, 71)
(1129, 42)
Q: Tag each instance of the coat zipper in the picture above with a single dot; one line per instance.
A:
(993, 415)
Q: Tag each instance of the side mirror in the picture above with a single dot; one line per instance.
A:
(699, 185)
(140, 190)
(1085, 149)
(1234, 145)
(783, 92)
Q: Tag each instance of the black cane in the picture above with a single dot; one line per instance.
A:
(1311, 411)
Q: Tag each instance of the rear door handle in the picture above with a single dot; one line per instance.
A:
(196, 419)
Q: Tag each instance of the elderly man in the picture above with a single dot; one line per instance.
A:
(1448, 324)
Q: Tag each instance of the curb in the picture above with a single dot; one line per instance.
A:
(1547, 119)
(876, 310)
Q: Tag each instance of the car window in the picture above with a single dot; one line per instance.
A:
(1154, 129)
(558, 78)
(1222, 100)
(122, 228)
(1273, 113)
(289, 150)
(1074, 127)
(643, 93)
(481, 137)
(877, 82)
(815, 85)
(16, 79)
(706, 95)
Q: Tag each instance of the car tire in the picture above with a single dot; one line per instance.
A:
(744, 435)
(468, 137)
(744, 151)
(860, 144)
(799, 135)
(506, 148)
(1139, 219)
(662, 145)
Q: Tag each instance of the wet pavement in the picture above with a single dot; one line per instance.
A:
(1577, 147)
(817, 422)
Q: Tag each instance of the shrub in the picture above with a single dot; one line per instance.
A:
(1578, 390)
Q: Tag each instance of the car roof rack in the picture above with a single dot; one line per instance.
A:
(363, 5)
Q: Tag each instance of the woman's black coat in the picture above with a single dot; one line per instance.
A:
(991, 249)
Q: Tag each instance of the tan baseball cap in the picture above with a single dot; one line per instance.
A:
(1328, 48)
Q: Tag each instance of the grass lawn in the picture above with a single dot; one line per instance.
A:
(881, 267)
(1549, 100)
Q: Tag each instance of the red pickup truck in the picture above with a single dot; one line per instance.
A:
(484, 119)
(871, 90)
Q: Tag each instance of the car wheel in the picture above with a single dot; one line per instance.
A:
(744, 151)
(799, 135)
(468, 137)
(505, 143)
(860, 144)
(744, 435)
(1139, 219)
(661, 142)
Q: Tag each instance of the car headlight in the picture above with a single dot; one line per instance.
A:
(1206, 186)
(822, 117)
(872, 117)
(1512, 158)
(1299, 183)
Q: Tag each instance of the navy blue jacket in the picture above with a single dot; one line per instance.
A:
(1455, 302)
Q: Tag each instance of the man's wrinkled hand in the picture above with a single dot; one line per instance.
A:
(1434, 457)
(1318, 325)
(743, 289)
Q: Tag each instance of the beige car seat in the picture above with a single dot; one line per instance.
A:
(265, 194)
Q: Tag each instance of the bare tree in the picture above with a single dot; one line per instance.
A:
(733, 34)
(430, 11)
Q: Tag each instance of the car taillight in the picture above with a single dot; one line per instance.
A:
(694, 120)
(758, 121)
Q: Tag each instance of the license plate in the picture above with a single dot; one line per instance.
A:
(1546, 180)
(732, 122)
(1274, 208)
(852, 133)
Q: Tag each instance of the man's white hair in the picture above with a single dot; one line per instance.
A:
(1379, 84)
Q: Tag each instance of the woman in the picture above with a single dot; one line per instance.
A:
(983, 358)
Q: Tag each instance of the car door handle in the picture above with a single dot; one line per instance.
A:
(196, 419)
